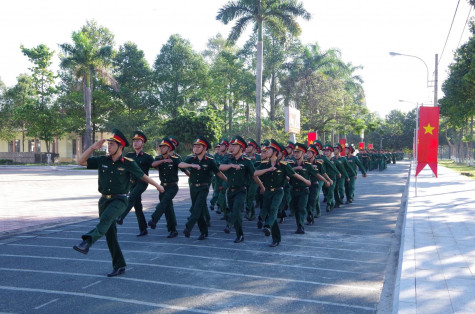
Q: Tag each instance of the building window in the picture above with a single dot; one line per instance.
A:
(31, 146)
(10, 147)
(17, 145)
(38, 146)
(74, 148)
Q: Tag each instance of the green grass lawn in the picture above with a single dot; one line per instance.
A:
(461, 168)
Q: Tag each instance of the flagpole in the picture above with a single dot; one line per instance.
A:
(417, 144)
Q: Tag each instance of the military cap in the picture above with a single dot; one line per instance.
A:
(174, 140)
(224, 142)
(338, 145)
(251, 142)
(290, 144)
(275, 145)
(351, 148)
(238, 140)
(168, 142)
(217, 145)
(285, 153)
(118, 136)
(138, 135)
(265, 143)
(313, 148)
(201, 140)
(318, 144)
(328, 147)
(301, 147)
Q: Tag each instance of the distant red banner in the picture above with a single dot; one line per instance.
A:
(361, 146)
(312, 136)
(428, 139)
(370, 146)
(342, 142)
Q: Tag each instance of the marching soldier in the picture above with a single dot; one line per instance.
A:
(353, 162)
(115, 172)
(274, 174)
(201, 167)
(299, 190)
(167, 164)
(220, 184)
(313, 205)
(144, 161)
(239, 171)
(334, 174)
(214, 181)
(346, 171)
(251, 153)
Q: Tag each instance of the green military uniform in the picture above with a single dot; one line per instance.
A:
(237, 182)
(300, 191)
(274, 182)
(313, 205)
(199, 188)
(252, 188)
(353, 162)
(333, 172)
(114, 183)
(221, 185)
(168, 174)
(288, 186)
(214, 180)
(341, 164)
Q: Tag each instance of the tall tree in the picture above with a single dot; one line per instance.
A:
(179, 76)
(279, 14)
(89, 56)
(42, 115)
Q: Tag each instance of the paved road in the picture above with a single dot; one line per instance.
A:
(343, 264)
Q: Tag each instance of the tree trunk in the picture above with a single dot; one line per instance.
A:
(247, 112)
(87, 96)
(451, 147)
(272, 97)
(230, 114)
(260, 51)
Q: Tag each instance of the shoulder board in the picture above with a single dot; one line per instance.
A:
(319, 161)
(129, 159)
(210, 157)
(190, 155)
(263, 161)
(247, 158)
(308, 163)
(174, 156)
(283, 162)
(146, 153)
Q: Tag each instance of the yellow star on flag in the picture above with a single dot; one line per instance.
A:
(428, 129)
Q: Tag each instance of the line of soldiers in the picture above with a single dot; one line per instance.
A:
(374, 159)
(289, 177)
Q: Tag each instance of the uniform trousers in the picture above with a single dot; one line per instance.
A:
(166, 207)
(198, 208)
(299, 205)
(109, 210)
(350, 188)
(270, 207)
(250, 197)
(236, 202)
(313, 204)
(135, 201)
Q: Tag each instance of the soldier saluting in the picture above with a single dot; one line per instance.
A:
(115, 172)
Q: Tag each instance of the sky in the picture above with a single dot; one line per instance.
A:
(365, 31)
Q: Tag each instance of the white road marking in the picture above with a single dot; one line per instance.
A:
(186, 286)
(92, 284)
(42, 305)
(103, 297)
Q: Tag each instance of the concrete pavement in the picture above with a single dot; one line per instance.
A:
(437, 269)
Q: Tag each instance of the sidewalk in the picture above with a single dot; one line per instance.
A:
(438, 245)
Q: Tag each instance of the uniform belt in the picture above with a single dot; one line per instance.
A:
(109, 196)
(300, 189)
(200, 184)
(169, 183)
(243, 188)
(276, 189)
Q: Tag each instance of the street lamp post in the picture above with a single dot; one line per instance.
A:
(436, 72)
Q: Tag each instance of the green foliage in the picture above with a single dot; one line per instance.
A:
(179, 77)
(189, 124)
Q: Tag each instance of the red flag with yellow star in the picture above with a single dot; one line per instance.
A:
(428, 139)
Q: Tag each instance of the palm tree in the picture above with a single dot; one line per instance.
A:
(90, 55)
(279, 14)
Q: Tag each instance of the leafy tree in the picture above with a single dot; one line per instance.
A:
(88, 57)
(189, 124)
(42, 116)
(279, 14)
(180, 76)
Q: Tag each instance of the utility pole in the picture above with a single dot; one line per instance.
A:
(436, 73)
